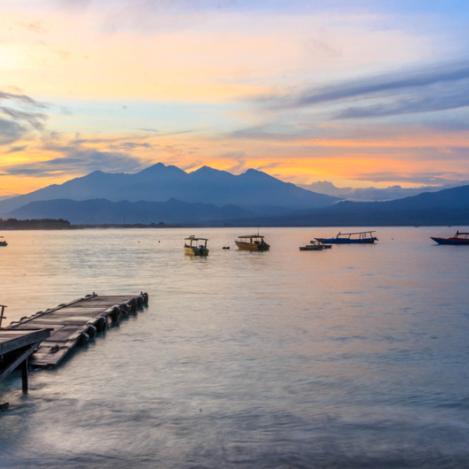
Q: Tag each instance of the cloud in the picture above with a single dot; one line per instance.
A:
(126, 146)
(19, 115)
(431, 178)
(17, 148)
(430, 100)
(4, 95)
(77, 161)
(33, 119)
(10, 131)
(371, 86)
(273, 131)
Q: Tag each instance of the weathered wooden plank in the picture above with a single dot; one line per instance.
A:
(20, 338)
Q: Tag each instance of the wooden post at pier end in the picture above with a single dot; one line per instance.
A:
(2, 311)
(24, 376)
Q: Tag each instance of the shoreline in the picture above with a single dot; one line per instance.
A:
(254, 226)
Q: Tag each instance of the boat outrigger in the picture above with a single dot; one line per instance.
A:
(461, 238)
(252, 243)
(315, 245)
(361, 237)
(3, 243)
(196, 246)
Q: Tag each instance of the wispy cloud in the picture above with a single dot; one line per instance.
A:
(270, 132)
(77, 161)
(432, 99)
(430, 178)
(379, 85)
(19, 115)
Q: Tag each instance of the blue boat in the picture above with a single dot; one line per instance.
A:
(459, 239)
(362, 237)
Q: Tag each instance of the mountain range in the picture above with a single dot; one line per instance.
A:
(253, 189)
(167, 194)
(445, 207)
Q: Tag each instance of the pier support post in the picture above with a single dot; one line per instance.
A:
(24, 377)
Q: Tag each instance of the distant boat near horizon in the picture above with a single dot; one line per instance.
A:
(461, 238)
(253, 243)
(361, 237)
(195, 246)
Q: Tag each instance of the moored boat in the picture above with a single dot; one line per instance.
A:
(195, 246)
(254, 243)
(315, 246)
(461, 238)
(361, 237)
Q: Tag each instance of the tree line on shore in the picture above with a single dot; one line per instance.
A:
(38, 224)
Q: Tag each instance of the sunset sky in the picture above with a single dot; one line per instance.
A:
(359, 93)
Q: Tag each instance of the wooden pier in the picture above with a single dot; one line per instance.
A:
(76, 323)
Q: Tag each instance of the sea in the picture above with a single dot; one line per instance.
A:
(357, 356)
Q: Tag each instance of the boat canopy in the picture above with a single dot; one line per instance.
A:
(462, 233)
(195, 238)
(361, 234)
(251, 236)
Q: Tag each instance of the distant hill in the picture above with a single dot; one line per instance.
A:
(160, 183)
(445, 207)
(101, 211)
(370, 194)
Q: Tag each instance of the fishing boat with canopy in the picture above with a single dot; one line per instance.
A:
(195, 246)
(461, 238)
(253, 243)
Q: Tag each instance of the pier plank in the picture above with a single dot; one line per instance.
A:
(11, 340)
(75, 322)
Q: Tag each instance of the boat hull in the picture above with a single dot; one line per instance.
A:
(245, 246)
(346, 240)
(196, 251)
(312, 248)
(451, 241)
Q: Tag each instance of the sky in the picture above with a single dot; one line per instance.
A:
(357, 92)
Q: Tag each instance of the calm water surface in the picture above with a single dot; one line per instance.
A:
(354, 357)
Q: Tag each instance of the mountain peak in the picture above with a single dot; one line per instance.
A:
(98, 172)
(256, 173)
(161, 168)
(208, 170)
